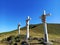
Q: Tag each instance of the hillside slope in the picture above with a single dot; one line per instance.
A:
(36, 30)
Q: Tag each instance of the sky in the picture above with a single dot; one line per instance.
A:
(13, 12)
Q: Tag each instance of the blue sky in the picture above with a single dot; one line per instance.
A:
(14, 11)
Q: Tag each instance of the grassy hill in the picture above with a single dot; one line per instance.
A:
(36, 30)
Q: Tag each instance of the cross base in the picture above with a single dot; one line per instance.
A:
(48, 43)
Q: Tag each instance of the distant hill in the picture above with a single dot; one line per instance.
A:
(36, 30)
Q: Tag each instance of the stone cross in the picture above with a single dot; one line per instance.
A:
(43, 18)
(27, 25)
(19, 28)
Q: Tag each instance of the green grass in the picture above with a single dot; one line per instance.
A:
(36, 30)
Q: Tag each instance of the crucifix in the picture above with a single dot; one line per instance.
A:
(27, 25)
(19, 29)
(43, 18)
